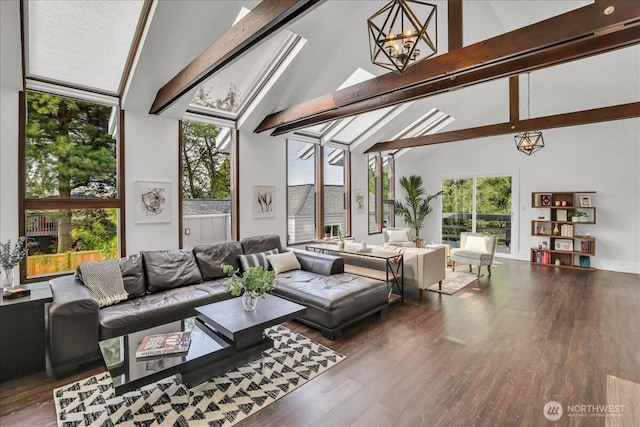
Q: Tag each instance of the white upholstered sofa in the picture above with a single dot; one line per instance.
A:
(422, 267)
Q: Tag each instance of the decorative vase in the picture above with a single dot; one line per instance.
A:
(7, 278)
(556, 230)
(340, 245)
(249, 300)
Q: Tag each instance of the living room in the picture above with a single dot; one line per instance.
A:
(600, 156)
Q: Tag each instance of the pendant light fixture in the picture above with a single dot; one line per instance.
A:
(531, 141)
(402, 34)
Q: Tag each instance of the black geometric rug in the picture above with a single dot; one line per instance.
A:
(222, 401)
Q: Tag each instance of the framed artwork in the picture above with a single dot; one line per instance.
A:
(563, 245)
(153, 201)
(359, 200)
(264, 201)
(545, 200)
(585, 201)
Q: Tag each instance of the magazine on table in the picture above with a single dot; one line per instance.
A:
(160, 344)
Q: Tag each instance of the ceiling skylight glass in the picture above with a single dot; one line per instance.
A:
(230, 90)
(81, 43)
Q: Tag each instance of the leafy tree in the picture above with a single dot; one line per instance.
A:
(96, 229)
(205, 169)
(69, 152)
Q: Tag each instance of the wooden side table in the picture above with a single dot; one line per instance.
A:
(22, 332)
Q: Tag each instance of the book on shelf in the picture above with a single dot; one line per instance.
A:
(561, 215)
(586, 246)
(159, 344)
(566, 230)
(585, 261)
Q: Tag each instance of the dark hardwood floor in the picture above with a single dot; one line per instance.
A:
(491, 355)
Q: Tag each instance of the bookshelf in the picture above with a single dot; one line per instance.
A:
(562, 223)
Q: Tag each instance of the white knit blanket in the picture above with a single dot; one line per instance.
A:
(104, 279)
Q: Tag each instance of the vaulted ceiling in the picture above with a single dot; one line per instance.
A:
(336, 45)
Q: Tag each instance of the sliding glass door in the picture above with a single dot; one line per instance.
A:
(479, 205)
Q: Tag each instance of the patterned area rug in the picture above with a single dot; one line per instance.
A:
(455, 281)
(222, 401)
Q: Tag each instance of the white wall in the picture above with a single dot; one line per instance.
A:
(8, 164)
(151, 153)
(263, 161)
(600, 157)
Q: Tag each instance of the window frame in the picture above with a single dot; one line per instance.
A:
(25, 204)
(319, 153)
(379, 202)
(234, 159)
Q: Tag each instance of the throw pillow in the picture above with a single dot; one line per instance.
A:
(104, 279)
(286, 261)
(396, 236)
(254, 260)
(477, 244)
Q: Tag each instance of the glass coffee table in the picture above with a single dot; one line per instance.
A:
(223, 336)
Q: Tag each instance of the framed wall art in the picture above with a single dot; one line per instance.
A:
(264, 201)
(152, 201)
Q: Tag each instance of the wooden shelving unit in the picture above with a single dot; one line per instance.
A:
(560, 223)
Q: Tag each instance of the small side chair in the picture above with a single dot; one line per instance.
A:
(475, 249)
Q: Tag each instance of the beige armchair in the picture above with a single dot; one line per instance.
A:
(475, 249)
(404, 237)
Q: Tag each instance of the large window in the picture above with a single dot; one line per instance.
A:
(481, 205)
(308, 164)
(206, 183)
(301, 191)
(71, 199)
(334, 190)
(381, 177)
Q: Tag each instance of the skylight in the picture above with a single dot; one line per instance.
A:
(230, 91)
(81, 43)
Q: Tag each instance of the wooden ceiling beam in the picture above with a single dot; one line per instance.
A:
(454, 24)
(267, 18)
(597, 115)
(588, 21)
(580, 49)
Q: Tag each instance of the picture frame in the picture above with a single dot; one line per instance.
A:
(360, 200)
(563, 245)
(545, 200)
(561, 215)
(152, 201)
(264, 201)
(585, 201)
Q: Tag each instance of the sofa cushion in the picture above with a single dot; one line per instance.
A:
(477, 244)
(286, 261)
(252, 245)
(133, 275)
(170, 269)
(257, 259)
(397, 236)
(211, 257)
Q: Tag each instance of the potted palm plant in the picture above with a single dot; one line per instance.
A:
(252, 285)
(417, 204)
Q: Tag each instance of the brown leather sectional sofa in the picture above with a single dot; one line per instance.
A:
(166, 286)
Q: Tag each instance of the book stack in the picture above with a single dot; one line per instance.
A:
(566, 230)
(586, 246)
(542, 257)
(585, 261)
(156, 345)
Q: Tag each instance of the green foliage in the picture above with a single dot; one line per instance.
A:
(206, 170)
(254, 279)
(96, 229)
(416, 207)
(69, 151)
(10, 256)
(68, 147)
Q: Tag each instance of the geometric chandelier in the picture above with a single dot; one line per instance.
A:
(402, 34)
(531, 141)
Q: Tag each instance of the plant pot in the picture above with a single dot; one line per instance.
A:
(340, 245)
(250, 300)
(7, 278)
(575, 219)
